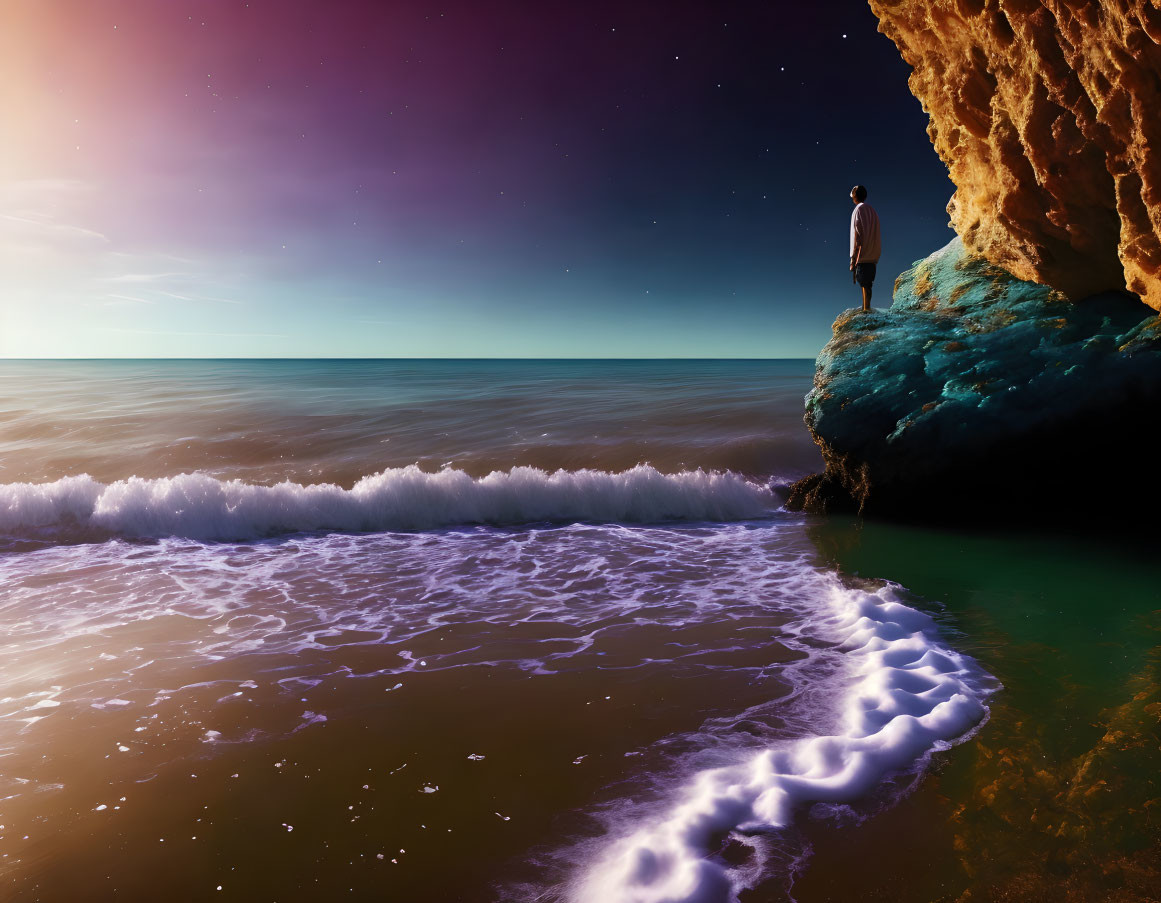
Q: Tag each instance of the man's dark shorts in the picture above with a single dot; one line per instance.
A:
(864, 274)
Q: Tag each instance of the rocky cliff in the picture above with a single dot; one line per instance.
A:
(1046, 113)
(978, 392)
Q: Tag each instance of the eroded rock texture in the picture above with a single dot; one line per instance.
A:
(1048, 116)
(979, 391)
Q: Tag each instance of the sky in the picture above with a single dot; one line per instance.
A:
(403, 178)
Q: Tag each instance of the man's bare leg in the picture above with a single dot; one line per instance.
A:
(866, 297)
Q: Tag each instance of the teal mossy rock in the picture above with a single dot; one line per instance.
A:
(977, 391)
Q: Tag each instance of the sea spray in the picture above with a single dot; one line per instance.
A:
(198, 506)
(908, 694)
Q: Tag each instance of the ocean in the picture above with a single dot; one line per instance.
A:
(530, 630)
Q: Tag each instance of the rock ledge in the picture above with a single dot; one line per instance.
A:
(976, 391)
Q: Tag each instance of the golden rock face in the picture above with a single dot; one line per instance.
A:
(1048, 116)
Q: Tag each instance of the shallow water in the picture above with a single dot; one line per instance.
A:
(189, 715)
(1058, 798)
(436, 684)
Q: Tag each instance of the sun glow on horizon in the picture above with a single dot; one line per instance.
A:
(283, 179)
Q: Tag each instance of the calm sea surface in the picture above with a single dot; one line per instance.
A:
(476, 630)
(338, 421)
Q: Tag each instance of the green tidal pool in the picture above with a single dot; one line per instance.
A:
(1059, 795)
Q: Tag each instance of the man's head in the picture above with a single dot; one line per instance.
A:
(859, 194)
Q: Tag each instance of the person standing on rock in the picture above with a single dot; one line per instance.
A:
(866, 246)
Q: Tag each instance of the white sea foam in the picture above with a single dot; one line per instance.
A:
(198, 506)
(870, 688)
(908, 695)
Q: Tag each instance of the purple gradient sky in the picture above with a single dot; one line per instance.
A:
(289, 178)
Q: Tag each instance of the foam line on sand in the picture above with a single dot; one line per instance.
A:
(907, 694)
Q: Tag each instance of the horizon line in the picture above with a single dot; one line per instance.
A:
(323, 358)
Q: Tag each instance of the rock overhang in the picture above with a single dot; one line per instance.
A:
(1045, 113)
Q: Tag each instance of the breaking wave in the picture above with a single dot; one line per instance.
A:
(198, 506)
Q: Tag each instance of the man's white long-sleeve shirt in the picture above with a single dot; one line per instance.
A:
(865, 232)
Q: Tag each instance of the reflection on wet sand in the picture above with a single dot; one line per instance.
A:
(1084, 827)
(1059, 797)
